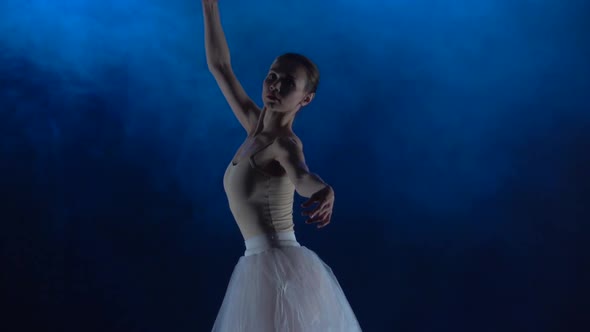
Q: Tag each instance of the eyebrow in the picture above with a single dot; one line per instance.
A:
(288, 75)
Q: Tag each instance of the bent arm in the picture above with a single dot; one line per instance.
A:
(309, 184)
(216, 46)
(290, 156)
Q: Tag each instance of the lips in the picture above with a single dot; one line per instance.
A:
(272, 97)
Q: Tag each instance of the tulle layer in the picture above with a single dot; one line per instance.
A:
(285, 288)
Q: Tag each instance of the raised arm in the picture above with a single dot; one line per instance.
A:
(219, 63)
(215, 42)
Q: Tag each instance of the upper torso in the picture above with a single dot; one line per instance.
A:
(258, 190)
(261, 149)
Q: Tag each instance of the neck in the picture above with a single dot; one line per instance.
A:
(275, 122)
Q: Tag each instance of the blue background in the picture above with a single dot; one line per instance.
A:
(456, 135)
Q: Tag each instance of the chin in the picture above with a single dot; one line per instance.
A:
(271, 103)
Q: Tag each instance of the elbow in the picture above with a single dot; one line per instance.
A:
(309, 184)
(307, 192)
(301, 189)
(303, 193)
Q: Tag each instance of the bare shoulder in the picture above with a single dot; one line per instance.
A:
(289, 146)
(289, 141)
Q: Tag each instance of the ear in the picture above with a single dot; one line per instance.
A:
(308, 98)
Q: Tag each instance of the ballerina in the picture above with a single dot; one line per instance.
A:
(278, 285)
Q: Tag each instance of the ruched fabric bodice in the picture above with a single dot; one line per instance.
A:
(260, 203)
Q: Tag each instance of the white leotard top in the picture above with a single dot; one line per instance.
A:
(260, 203)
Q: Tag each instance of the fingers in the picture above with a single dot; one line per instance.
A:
(309, 213)
(321, 218)
(309, 202)
(324, 221)
(318, 209)
(322, 225)
(315, 215)
(323, 205)
(322, 213)
(314, 198)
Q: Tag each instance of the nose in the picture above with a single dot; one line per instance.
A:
(275, 86)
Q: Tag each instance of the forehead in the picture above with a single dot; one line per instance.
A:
(288, 68)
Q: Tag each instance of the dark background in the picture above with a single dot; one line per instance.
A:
(456, 135)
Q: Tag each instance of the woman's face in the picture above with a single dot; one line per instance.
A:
(285, 82)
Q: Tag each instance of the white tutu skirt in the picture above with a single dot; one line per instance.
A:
(280, 286)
